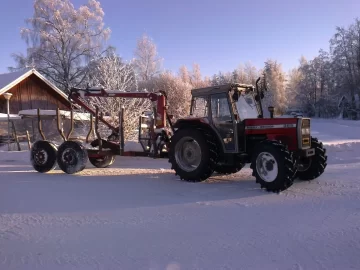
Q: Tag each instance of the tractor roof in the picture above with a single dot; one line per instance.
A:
(220, 89)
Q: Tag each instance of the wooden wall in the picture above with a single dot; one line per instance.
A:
(33, 93)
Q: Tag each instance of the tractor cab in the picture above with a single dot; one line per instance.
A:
(224, 108)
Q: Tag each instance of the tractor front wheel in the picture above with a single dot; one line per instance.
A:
(193, 154)
(311, 168)
(273, 166)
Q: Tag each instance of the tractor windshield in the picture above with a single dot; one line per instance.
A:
(247, 107)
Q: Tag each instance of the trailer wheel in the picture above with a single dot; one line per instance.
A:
(228, 169)
(102, 162)
(273, 166)
(193, 154)
(312, 167)
(43, 156)
(72, 157)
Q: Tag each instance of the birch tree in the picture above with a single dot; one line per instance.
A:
(184, 74)
(147, 62)
(196, 78)
(62, 40)
(275, 96)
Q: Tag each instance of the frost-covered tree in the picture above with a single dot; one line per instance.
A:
(147, 61)
(251, 73)
(196, 78)
(276, 85)
(62, 40)
(184, 74)
(112, 73)
(178, 93)
(240, 76)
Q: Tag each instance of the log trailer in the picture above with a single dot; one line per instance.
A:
(226, 130)
(71, 156)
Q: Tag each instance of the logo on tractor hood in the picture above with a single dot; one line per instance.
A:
(271, 126)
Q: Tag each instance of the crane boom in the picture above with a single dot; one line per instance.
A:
(77, 95)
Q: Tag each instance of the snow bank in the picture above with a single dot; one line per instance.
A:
(343, 151)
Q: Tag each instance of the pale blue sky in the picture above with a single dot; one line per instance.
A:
(216, 34)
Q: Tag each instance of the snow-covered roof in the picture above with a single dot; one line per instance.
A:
(9, 80)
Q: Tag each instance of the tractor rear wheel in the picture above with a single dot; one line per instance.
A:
(312, 167)
(273, 166)
(43, 156)
(193, 154)
(228, 169)
(102, 162)
(72, 157)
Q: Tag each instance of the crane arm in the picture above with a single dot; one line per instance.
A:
(77, 95)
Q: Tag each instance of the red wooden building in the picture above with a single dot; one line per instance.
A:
(30, 90)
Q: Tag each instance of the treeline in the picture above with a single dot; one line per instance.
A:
(69, 46)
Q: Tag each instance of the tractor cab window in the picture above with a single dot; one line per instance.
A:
(199, 107)
(223, 120)
(220, 108)
(246, 106)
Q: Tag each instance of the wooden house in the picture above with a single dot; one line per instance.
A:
(30, 90)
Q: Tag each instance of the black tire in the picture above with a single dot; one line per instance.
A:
(316, 164)
(228, 169)
(72, 157)
(43, 156)
(284, 178)
(208, 157)
(102, 162)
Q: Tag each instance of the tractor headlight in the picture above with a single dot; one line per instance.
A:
(305, 131)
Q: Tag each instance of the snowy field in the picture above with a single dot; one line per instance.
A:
(138, 215)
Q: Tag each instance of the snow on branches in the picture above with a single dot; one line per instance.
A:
(112, 73)
(62, 40)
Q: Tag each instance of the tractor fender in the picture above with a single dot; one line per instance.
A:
(198, 123)
(284, 139)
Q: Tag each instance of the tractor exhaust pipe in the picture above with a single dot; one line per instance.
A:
(259, 98)
(271, 111)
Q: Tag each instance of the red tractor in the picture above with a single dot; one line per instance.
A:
(226, 129)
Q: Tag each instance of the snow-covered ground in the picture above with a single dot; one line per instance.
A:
(138, 215)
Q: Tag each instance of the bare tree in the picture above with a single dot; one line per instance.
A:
(62, 40)
(147, 61)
